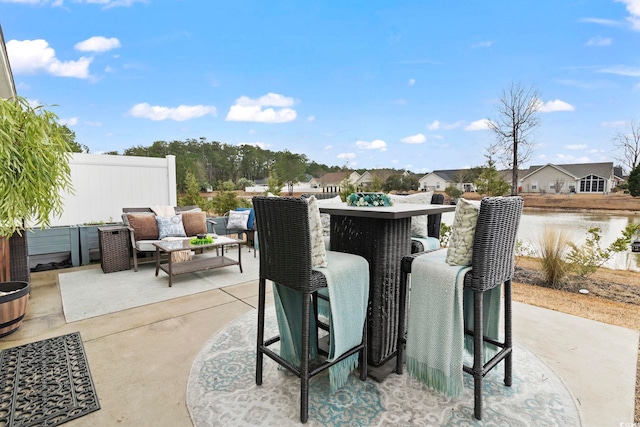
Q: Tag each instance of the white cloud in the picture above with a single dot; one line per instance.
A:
(377, 144)
(252, 110)
(622, 70)
(555, 105)
(32, 56)
(616, 124)
(414, 139)
(261, 145)
(438, 125)
(180, 113)
(107, 3)
(482, 124)
(98, 44)
(600, 21)
(70, 122)
(347, 156)
(327, 147)
(599, 41)
(487, 43)
(633, 7)
(113, 3)
(311, 119)
(575, 146)
(411, 82)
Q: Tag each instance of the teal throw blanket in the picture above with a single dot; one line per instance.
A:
(437, 314)
(348, 289)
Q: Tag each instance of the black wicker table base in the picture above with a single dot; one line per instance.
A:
(46, 383)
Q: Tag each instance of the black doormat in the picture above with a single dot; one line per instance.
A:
(46, 383)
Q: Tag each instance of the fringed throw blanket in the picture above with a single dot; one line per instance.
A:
(435, 333)
(439, 309)
(348, 310)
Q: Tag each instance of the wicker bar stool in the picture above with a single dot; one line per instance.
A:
(285, 259)
(492, 264)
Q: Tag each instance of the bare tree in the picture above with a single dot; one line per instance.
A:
(517, 119)
(629, 143)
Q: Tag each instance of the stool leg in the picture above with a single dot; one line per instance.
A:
(401, 323)
(508, 337)
(363, 352)
(260, 339)
(478, 361)
(304, 359)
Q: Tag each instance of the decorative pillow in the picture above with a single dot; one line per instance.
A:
(238, 220)
(170, 226)
(460, 250)
(420, 223)
(318, 250)
(144, 225)
(252, 217)
(194, 223)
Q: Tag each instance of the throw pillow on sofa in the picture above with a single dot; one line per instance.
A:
(144, 225)
(238, 220)
(194, 223)
(170, 226)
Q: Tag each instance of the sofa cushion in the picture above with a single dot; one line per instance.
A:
(194, 223)
(144, 225)
(170, 226)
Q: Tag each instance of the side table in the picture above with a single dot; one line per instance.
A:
(114, 248)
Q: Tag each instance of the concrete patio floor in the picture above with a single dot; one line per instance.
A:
(140, 358)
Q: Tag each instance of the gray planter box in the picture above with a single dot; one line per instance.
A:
(55, 241)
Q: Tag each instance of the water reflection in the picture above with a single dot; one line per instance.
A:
(533, 223)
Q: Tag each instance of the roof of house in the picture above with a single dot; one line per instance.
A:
(446, 174)
(333, 178)
(579, 170)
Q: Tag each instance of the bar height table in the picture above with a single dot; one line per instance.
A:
(382, 235)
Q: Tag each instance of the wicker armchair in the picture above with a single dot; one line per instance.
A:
(492, 264)
(285, 258)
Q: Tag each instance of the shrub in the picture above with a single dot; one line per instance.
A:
(586, 259)
(553, 245)
(453, 192)
(445, 233)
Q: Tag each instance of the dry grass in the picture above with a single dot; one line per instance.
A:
(587, 306)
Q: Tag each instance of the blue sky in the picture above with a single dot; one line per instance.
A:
(400, 84)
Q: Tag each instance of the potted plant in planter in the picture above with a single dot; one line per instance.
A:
(34, 172)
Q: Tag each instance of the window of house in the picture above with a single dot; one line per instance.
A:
(592, 184)
(438, 185)
(534, 185)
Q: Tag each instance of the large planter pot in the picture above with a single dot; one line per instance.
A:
(13, 306)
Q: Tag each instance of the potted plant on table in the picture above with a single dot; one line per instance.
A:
(34, 173)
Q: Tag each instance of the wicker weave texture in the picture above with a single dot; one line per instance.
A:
(19, 254)
(114, 248)
(494, 242)
(285, 244)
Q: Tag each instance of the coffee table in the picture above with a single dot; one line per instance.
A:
(198, 263)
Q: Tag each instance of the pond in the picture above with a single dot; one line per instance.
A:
(533, 223)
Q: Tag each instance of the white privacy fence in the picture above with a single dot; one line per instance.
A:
(104, 184)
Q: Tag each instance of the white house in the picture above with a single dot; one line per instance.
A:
(438, 180)
(571, 178)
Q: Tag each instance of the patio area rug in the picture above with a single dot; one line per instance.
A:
(46, 383)
(222, 391)
(90, 292)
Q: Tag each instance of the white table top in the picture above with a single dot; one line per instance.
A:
(397, 211)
